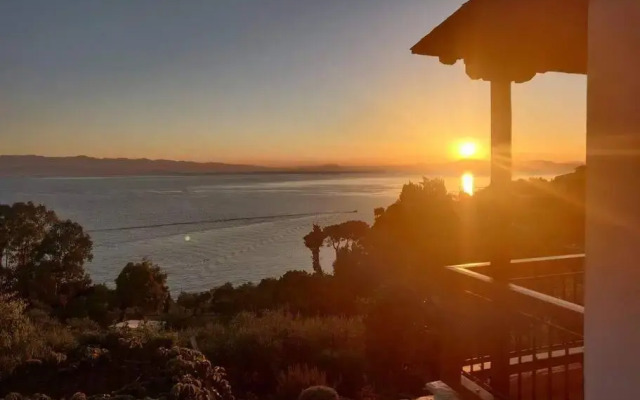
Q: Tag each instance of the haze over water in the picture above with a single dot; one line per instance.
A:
(260, 219)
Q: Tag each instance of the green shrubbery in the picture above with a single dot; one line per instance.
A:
(26, 338)
(123, 362)
(256, 349)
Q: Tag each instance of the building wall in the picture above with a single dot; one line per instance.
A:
(612, 318)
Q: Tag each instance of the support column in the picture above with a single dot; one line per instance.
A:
(612, 302)
(501, 174)
(501, 223)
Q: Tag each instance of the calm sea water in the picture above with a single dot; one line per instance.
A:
(208, 230)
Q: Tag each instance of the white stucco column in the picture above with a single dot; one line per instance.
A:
(612, 316)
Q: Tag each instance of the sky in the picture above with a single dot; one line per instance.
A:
(273, 82)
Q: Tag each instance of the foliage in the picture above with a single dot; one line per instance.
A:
(23, 339)
(194, 375)
(42, 257)
(142, 286)
(196, 302)
(130, 363)
(419, 231)
(401, 339)
(296, 291)
(345, 234)
(16, 333)
(314, 240)
(255, 348)
(296, 378)
(96, 302)
(318, 393)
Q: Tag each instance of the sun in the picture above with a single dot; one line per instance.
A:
(467, 149)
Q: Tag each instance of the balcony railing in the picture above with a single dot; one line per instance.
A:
(518, 339)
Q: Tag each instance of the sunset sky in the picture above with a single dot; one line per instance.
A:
(276, 82)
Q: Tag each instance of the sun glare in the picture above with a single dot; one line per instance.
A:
(467, 183)
(467, 149)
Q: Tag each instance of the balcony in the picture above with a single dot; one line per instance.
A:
(519, 338)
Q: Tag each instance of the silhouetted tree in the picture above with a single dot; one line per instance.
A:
(142, 286)
(42, 257)
(345, 234)
(196, 302)
(314, 240)
(378, 212)
(97, 303)
(419, 231)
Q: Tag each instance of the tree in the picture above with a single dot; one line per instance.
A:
(22, 227)
(194, 301)
(314, 240)
(142, 286)
(418, 233)
(345, 234)
(41, 256)
(95, 303)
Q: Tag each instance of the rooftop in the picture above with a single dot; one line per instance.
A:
(512, 40)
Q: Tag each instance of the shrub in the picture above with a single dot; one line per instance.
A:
(83, 325)
(125, 364)
(255, 348)
(292, 381)
(318, 393)
(401, 345)
(195, 377)
(19, 339)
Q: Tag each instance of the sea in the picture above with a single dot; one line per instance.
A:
(207, 230)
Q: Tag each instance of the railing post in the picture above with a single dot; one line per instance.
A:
(452, 339)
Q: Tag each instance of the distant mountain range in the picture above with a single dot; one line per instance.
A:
(80, 166)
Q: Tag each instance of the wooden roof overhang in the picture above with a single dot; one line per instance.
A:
(512, 40)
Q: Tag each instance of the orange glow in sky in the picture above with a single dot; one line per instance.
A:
(215, 82)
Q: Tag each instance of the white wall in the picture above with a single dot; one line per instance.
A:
(612, 319)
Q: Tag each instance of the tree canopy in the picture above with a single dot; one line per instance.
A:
(314, 241)
(41, 256)
(142, 286)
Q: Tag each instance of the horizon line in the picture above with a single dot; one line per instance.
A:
(301, 164)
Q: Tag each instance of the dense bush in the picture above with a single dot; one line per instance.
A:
(293, 380)
(318, 393)
(296, 291)
(401, 340)
(17, 334)
(130, 363)
(256, 348)
(25, 339)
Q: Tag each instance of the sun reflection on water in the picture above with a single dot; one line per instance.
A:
(466, 182)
